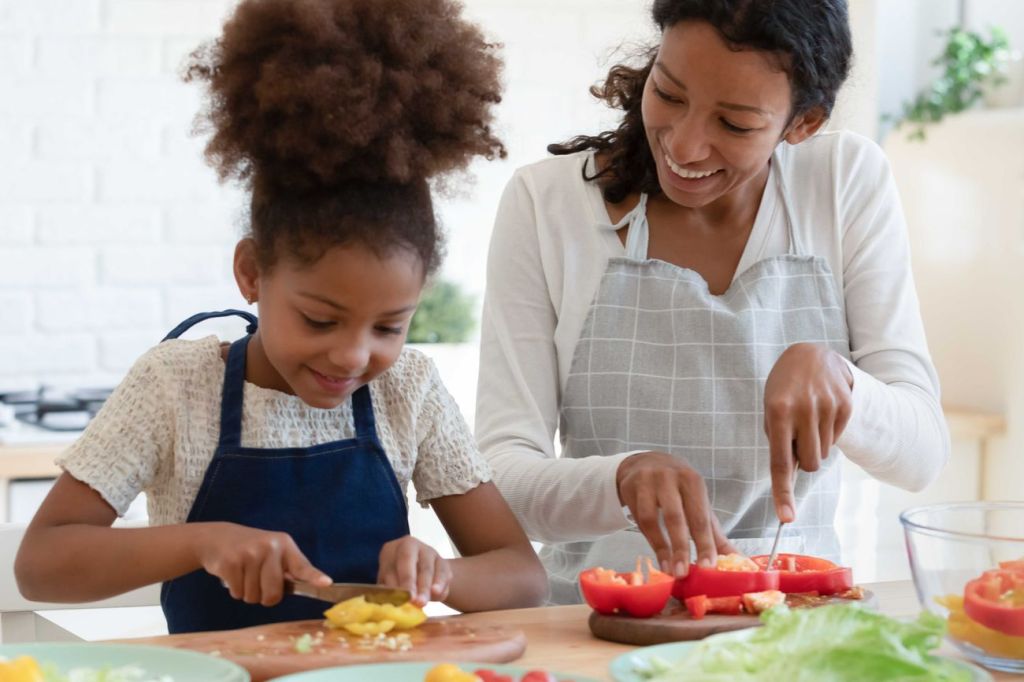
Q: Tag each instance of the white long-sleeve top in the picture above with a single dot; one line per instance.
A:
(548, 254)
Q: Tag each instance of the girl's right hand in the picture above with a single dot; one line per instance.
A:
(656, 485)
(253, 564)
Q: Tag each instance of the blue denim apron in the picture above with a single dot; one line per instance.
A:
(339, 501)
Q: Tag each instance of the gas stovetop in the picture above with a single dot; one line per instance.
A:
(50, 410)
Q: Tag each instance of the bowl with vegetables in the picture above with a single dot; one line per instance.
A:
(967, 560)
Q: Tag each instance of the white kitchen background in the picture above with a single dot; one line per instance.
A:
(112, 229)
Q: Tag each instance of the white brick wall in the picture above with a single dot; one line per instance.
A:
(112, 229)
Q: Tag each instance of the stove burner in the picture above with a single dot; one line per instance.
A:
(55, 410)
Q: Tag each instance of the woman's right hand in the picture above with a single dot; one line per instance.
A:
(252, 563)
(656, 484)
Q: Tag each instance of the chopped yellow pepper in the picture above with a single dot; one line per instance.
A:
(449, 672)
(405, 616)
(354, 610)
(22, 669)
(358, 611)
(370, 628)
(964, 629)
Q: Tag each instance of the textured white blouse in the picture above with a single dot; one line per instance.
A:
(157, 432)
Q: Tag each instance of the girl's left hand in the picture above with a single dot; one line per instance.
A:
(409, 564)
(807, 404)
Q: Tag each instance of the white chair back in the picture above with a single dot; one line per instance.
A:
(19, 617)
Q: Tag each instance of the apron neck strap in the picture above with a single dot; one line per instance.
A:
(362, 413)
(233, 391)
(638, 234)
(231, 396)
(199, 317)
(795, 246)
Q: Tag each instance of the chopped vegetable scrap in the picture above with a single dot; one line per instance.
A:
(634, 594)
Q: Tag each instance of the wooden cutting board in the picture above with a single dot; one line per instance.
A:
(268, 651)
(674, 623)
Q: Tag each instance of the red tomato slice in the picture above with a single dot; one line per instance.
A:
(713, 582)
(637, 600)
(802, 573)
(996, 600)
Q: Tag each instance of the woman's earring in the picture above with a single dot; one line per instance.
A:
(249, 299)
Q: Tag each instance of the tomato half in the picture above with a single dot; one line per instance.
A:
(627, 595)
(996, 600)
(802, 573)
(713, 582)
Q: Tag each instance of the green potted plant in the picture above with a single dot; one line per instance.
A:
(971, 65)
(446, 314)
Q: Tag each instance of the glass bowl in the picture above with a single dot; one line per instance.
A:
(950, 545)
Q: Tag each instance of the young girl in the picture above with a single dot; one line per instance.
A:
(286, 454)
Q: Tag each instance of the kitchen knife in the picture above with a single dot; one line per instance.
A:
(778, 533)
(336, 592)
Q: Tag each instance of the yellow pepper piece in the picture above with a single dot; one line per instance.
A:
(370, 628)
(449, 672)
(354, 610)
(963, 628)
(406, 616)
(22, 669)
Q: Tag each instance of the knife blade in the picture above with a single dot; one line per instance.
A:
(336, 592)
(778, 533)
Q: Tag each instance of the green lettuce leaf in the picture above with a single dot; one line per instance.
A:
(826, 644)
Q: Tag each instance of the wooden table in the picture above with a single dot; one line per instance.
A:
(558, 638)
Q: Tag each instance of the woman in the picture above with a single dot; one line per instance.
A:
(702, 300)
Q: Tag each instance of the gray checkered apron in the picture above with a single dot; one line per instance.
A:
(664, 365)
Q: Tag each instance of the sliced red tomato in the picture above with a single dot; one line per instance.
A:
(996, 600)
(714, 582)
(697, 606)
(609, 592)
(802, 573)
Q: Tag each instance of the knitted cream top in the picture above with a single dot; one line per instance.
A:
(158, 430)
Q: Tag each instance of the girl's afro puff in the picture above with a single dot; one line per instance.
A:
(309, 95)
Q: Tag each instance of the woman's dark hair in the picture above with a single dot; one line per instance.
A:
(811, 38)
(337, 113)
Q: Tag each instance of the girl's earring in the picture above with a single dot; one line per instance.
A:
(249, 299)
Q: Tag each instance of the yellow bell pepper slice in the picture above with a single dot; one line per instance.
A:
(354, 610)
(406, 616)
(449, 672)
(22, 669)
(965, 629)
(370, 628)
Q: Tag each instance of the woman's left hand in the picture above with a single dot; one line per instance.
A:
(807, 404)
(409, 564)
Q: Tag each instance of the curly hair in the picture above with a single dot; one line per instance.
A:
(810, 37)
(336, 114)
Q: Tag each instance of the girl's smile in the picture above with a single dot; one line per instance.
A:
(328, 327)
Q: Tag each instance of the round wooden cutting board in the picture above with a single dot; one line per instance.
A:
(674, 624)
(268, 651)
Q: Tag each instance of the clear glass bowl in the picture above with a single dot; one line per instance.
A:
(951, 544)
